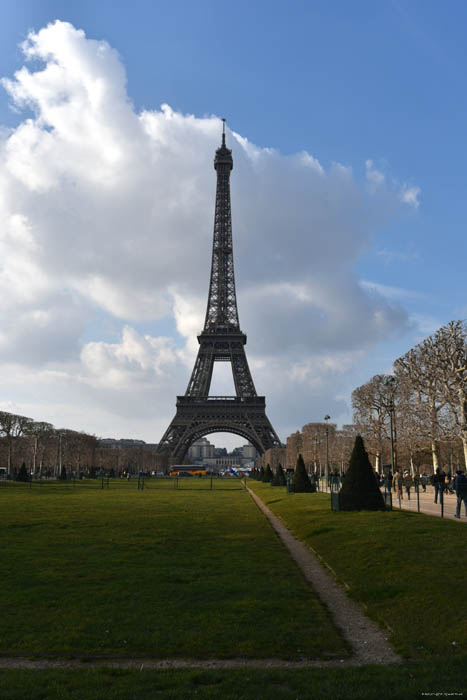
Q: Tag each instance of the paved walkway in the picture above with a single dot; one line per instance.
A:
(428, 506)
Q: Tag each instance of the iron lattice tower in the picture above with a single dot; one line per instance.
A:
(221, 340)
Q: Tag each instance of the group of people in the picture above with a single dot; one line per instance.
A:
(403, 480)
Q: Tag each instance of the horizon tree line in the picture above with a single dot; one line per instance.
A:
(47, 451)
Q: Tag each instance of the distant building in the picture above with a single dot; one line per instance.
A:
(248, 452)
(123, 443)
(217, 458)
(201, 450)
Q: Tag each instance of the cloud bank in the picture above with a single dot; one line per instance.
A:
(106, 210)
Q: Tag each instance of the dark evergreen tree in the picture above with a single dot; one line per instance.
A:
(22, 474)
(359, 490)
(279, 477)
(261, 474)
(62, 476)
(268, 475)
(301, 481)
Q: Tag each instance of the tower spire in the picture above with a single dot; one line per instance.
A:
(222, 309)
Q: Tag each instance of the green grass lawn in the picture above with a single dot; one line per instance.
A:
(198, 573)
(184, 572)
(408, 569)
(405, 682)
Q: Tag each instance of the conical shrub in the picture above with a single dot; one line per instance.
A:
(279, 477)
(301, 481)
(268, 475)
(261, 474)
(22, 474)
(359, 490)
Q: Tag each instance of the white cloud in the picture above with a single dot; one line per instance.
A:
(392, 293)
(104, 208)
(377, 184)
(410, 195)
(396, 256)
(374, 176)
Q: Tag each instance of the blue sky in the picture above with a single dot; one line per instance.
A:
(346, 82)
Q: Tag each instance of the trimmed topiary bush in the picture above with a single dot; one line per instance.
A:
(261, 474)
(268, 475)
(279, 477)
(22, 474)
(301, 481)
(359, 490)
(63, 475)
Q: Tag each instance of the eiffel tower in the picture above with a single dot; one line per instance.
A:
(221, 340)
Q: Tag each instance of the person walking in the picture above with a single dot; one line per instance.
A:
(407, 482)
(398, 479)
(423, 481)
(416, 481)
(460, 485)
(389, 480)
(438, 483)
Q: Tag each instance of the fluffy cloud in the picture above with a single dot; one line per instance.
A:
(104, 208)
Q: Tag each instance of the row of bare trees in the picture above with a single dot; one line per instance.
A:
(49, 451)
(42, 447)
(426, 397)
(318, 442)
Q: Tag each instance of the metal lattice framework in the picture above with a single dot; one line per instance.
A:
(221, 340)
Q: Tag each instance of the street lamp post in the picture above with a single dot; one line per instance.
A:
(326, 475)
(390, 382)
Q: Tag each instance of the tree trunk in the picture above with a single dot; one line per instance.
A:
(10, 446)
(378, 463)
(434, 441)
(435, 454)
(463, 422)
(34, 457)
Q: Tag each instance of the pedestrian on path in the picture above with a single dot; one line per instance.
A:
(438, 483)
(407, 482)
(398, 479)
(449, 483)
(460, 484)
(423, 481)
(389, 480)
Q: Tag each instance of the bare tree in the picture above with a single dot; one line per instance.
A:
(448, 346)
(371, 404)
(293, 448)
(344, 441)
(419, 370)
(12, 427)
(39, 433)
